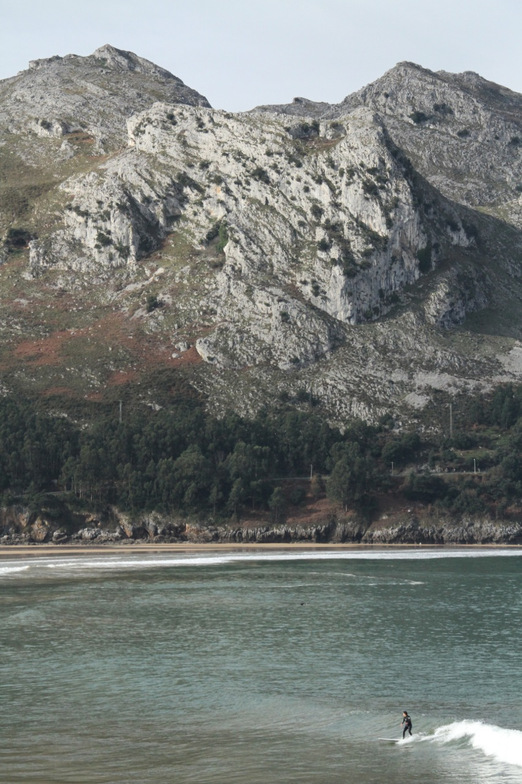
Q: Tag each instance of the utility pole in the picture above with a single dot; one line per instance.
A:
(451, 419)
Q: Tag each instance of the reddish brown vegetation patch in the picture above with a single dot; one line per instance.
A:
(112, 340)
(58, 392)
(190, 357)
(311, 512)
(95, 397)
(45, 351)
(120, 377)
(80, 137)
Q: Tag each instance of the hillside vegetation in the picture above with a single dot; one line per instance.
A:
(186, 464)
(260, 294)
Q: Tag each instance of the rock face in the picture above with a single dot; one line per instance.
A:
(319, 233)
(330, 247)
(18, 527)
(463, 133)
(92, 95)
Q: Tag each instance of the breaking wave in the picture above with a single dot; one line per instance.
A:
(12, 569)
(501, 744)
(131, 561)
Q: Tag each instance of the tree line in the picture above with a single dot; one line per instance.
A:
(182, 459)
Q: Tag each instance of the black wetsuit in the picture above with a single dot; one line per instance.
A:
(406, 723)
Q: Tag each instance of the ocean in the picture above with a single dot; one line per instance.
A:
(261, 667)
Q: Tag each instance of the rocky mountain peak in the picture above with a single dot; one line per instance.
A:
(120, 60)
(408, 82)
(94, 95)
(462, 132)
(108, 57)
(311, 245)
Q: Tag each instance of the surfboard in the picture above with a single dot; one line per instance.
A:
(390, 740)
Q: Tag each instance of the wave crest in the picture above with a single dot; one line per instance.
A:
(502, 744)
(12, 569)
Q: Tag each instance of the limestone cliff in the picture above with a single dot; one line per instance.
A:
(319, 233)
(328, 248)
(462, 132)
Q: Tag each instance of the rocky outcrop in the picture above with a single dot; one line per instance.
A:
(322, 229)
(337, 532)
(463, 133)
(19, 527)
(449, 532)
(60, 96)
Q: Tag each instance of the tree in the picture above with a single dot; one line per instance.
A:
(425, 487)
(316, 486)
(251, 465)
(216, 496)
(277, 505)
(193, 477)
(236, 498)
(401, 450)
(351, 478)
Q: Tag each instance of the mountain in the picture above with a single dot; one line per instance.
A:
(461, 132)
(62, 97)
(365, 256)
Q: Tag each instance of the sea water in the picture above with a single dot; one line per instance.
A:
(261, 668)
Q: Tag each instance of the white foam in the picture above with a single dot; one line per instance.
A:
(211, 559)
(504, 745)
(12, 569)
(219, 559)
(132, 561)
(408, 739)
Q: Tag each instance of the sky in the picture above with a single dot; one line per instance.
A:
(244, 53)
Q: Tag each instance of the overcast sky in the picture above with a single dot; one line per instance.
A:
(242, 53)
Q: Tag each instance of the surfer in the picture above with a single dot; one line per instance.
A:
(406, 723)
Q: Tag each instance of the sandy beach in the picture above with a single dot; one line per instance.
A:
(46, 550)
(178, 547)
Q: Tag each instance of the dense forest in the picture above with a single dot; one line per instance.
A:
(182, 459)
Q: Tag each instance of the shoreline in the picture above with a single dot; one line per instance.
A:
(22, 550)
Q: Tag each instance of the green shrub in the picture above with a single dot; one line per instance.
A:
(222, 237)
(317, 211)
(18, 239)
(295, 160)
(186, 181)
(122, 250)
(419, 117)
(212, 233)
(425, 487)
(153, 303)
(370, 188)
(443, 109)
(323, 245)
(297, 495)
(261, 175)
(103, 240)
(305, 130)
(219, 230)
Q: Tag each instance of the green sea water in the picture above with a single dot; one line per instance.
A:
(261, 668)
